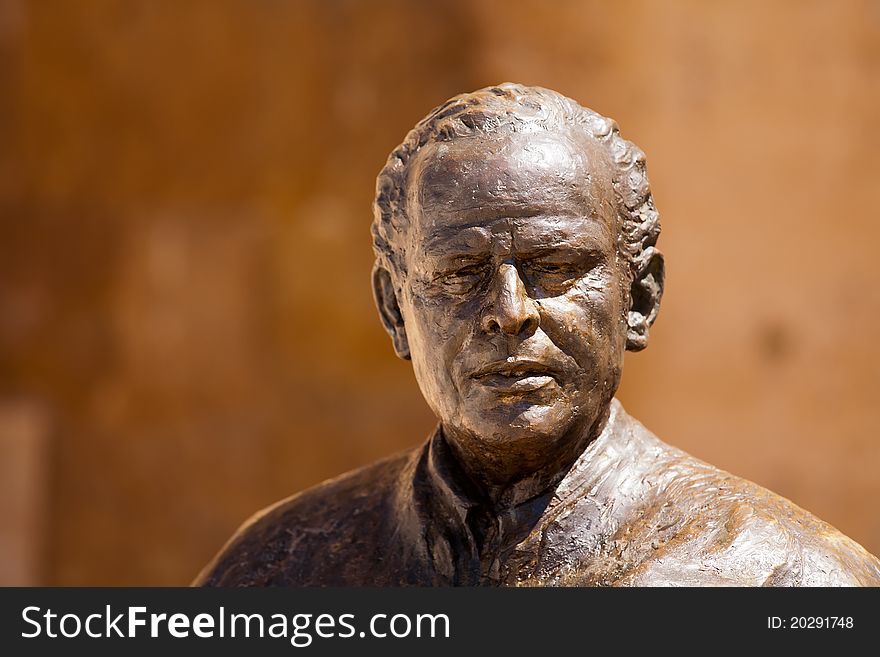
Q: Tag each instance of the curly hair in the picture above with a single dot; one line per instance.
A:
(523, 109)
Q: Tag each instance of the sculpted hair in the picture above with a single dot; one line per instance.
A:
(521, 109)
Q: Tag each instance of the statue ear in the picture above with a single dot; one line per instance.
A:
(389, 310)
(645, 294)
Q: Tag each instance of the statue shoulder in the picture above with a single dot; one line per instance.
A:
(292, 541)
(707, 526)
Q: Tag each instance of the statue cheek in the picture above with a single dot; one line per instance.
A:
(594, 305)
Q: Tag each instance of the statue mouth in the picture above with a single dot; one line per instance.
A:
(513, 385)
(514, 367)
(515, 376)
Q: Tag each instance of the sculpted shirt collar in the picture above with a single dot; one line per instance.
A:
(458, 537)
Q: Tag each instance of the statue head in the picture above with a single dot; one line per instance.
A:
(514, 233)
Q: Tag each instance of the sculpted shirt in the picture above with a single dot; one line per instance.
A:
(632, 511)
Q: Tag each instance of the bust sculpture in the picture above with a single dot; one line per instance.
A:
(516, 262)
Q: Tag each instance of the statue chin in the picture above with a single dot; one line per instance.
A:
(521, 431)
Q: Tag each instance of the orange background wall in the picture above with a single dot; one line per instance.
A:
(186, 324)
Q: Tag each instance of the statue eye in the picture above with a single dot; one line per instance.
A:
(549, 267)
(462, 280)
(554, 268)
(553, 277)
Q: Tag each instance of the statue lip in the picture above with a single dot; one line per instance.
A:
(514, 368)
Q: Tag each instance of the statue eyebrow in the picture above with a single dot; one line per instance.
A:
(453, 260)
(560, 234)
(463, 239)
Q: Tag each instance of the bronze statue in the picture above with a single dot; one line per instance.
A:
(515, 239)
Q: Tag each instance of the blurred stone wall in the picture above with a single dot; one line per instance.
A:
(176, 180)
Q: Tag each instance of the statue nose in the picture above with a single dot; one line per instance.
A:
(510, 308)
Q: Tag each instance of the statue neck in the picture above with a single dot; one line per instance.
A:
(504, 480)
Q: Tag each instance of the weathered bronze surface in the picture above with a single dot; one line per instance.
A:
(516, 262)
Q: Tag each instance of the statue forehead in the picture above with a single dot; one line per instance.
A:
(510, 174)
